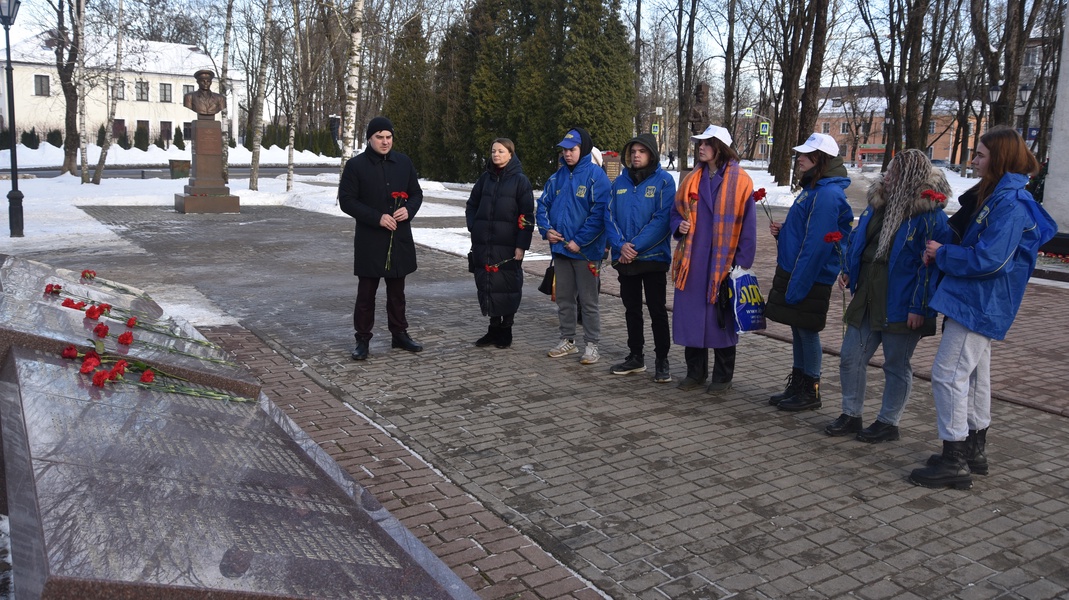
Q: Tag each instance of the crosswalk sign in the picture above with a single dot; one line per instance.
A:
(656, 128)
(764, 128)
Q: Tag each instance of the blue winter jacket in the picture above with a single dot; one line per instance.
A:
(640, 214)
(574, 203)
(985, 276)
(802, 250)
(910, 284)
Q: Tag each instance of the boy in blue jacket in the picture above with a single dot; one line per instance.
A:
(571, 217)
(640, 205)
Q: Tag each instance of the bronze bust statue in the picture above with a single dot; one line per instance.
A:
(204, 101)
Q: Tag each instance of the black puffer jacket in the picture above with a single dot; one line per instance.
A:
(493, 214)
(365, 194)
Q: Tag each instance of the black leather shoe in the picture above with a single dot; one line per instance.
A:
(404, 342)
(360, 352)
(844, 425)
(878, 432)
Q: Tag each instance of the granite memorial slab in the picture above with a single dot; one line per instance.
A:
(126, 491)
(32, 317)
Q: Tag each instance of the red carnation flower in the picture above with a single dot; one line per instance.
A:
(759, 194)
(100, 378)
(126, 338)
(148, 376)
(53, 288)
(90, 275)
(93, 353)
(101, 330)
(93, 312)
(105, 307)
(833, 237)
(89, 363)
(131, 322)
(70, 352)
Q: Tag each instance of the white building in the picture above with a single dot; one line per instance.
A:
(154, 77)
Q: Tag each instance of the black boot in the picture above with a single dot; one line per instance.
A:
(807, 399)
(974, 453)
(360, 352)
(794, 387)
(504, 337)
(951, 470)
(403, 341)
(697, 368)
(844, 425)
(489, 339)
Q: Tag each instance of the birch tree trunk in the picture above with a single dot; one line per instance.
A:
(113, 99)
(299, 92)
(352, 80)
(80, 78)
(256, 110)
(224, 87)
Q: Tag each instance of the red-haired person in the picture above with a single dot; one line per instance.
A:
(984, 278)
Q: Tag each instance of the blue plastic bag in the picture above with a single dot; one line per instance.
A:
(747, 299)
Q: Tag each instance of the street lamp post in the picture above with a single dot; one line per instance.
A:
(9, 9)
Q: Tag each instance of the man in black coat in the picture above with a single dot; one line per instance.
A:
(379, 189)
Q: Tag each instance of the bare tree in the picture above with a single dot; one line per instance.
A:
(113, 98)
(1003, 55)
(256, 109)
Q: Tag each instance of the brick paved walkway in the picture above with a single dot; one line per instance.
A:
(542, 467)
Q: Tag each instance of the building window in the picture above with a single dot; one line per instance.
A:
(187, 129)
(40, 85)
(844, 128)
(141, 94)
(120, 90)
(118, 128)
(1032, 56)
(165, 92)
(165, 130)
(825, 127)
(931, 127)
(187, 89)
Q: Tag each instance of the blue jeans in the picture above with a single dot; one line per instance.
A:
(807, 351)
(858, 347)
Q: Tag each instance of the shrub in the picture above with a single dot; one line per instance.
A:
(30, 139)
(5, 139)
(55, 137)
(124, 141)
(102, 136)
(179, 141)
(159, 143)
(141, 138)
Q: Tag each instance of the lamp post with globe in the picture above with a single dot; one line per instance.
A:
(9, 9)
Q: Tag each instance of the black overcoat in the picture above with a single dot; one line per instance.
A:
(366, 192)
(493, 214)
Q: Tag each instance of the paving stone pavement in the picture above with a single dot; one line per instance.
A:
(535, 477)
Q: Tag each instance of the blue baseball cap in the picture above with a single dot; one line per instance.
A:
(571, 139)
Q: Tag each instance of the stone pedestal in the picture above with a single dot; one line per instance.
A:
(207, 192)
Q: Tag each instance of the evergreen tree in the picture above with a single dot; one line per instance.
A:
(159, 143)
(598, 90)
(407, 90)
(141, 138)
(102, 136)
(448, 147)
(5, 139)
(30, 139)
(54, 137)
(124, 141)
(179, 140)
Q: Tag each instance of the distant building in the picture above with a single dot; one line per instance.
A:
(154, 77)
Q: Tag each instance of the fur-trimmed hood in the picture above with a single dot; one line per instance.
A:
(935, 181)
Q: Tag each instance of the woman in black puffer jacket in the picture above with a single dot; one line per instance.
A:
(500, 215)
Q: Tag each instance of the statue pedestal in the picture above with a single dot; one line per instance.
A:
(207, 192)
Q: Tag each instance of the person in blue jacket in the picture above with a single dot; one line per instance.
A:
(808, 261)
(891, 288)
(640, 204)
(984, 278)
(571, 217)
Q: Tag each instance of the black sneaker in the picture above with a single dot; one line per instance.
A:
(662, 373)
(634, 363)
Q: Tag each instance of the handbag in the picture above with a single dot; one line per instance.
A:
(747, 300)
(549, 281)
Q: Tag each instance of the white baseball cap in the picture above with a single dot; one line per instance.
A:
(819, 141)
(713, 131)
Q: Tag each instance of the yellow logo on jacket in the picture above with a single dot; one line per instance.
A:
(620, 192)
(983, 214)
(580, 192)
(651, 191)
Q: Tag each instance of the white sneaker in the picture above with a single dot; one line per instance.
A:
(591, 355)
(564, 348)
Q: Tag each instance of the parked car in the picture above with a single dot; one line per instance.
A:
(938, 162)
